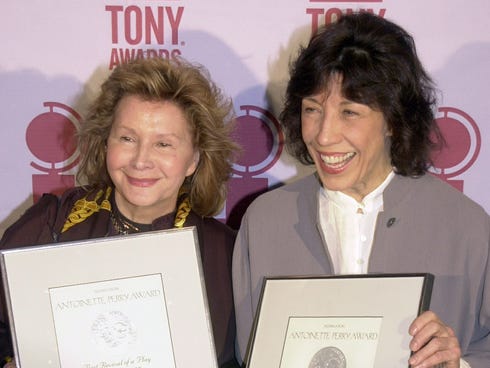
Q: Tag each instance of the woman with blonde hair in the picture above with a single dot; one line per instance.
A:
(156, 153)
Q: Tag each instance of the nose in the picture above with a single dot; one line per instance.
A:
(142, 157)
(329, 130)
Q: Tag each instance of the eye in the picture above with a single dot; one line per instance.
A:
(163, 144)
(125, 138)
(310, 109)
(349, 112)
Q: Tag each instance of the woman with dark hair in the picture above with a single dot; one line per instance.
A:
(359, 106)
(156, 153)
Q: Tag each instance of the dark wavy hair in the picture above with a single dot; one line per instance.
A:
(379, 67)
(208, 112)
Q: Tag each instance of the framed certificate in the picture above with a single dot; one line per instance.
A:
(356, 321)
(135, 301)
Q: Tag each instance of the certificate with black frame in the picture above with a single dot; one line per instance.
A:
(135, 301)
(353, 321)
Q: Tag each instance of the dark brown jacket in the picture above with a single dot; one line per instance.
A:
(42, 224)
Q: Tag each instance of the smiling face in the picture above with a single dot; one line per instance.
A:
(348, 141)
(150, 151)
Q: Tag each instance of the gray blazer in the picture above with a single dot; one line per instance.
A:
(426, 226)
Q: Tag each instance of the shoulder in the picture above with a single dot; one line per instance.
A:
(70, 196)
(214, 225)
(286, 195)
(285, 203)
(34, 226)
(216, 241)
(212, 232)
(435, 197)
(429, 186)
(37, 224)
(217, 229)
(89, 193)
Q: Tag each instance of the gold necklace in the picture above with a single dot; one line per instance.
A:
(124, 226)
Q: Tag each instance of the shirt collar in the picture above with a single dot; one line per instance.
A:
(370, 202)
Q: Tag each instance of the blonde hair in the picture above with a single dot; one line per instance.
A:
(208, 112)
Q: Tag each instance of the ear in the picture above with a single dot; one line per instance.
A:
(195, 162)
(388, 130)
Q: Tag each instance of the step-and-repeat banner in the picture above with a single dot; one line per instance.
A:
(56, 53)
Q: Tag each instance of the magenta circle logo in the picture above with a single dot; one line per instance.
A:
(261, 138)
(463, 142)
(50, 137)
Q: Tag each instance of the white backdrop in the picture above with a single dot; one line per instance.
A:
(55, 54)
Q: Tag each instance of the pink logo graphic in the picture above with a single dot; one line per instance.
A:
(261, 138)
(463, 145)
(50, 137)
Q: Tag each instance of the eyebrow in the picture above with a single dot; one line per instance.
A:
(121, 126)
(344, 101)
(312, 99)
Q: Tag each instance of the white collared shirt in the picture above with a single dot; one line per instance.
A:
(348, 227)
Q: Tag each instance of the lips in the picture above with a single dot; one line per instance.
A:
(141, 182)
(336, 163)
